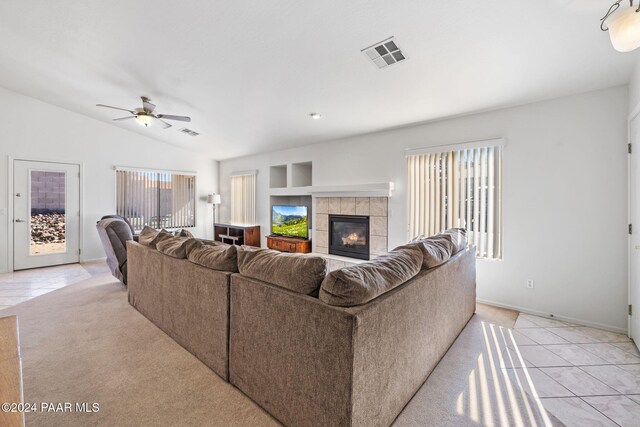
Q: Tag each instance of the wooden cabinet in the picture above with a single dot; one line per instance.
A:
(289, 244)
(237, 234)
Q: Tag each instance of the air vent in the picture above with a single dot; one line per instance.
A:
(189, 132)
(385, 53)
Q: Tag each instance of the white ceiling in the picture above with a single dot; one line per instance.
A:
(250, 72)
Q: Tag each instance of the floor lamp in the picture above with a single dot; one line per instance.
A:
(214, 200)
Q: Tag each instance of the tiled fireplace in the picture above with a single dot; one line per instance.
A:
(373, 208)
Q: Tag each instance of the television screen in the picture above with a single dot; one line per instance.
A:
(289, 221)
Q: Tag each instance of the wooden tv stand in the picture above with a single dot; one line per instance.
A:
(289, 244)
(237, 234)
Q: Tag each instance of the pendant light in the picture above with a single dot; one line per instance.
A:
(623, 25)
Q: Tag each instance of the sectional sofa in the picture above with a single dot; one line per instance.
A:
(348, 348)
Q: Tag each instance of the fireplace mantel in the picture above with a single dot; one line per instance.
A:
(384, 189)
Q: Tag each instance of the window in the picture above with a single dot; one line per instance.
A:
(157, 199)
(243, 197)
(460, 187)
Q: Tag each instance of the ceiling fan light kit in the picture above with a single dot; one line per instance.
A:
(623, 25)
(146, 115)
(144, 120)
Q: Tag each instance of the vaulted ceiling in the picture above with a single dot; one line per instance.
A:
(250, 72)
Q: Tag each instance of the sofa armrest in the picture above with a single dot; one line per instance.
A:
(402, 335)
(291, 353)
(312, 364)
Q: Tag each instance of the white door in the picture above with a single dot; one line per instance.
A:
(46, 214)
(634, 219)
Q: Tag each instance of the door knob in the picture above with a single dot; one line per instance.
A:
(20, 220)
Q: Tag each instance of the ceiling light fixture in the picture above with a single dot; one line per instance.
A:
(315, 116)
(144, 120)
(623, 25)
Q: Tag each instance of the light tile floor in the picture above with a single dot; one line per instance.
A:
(20, 286)
(583, 376)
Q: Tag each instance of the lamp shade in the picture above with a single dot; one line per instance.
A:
(213, 199)
(624, 29)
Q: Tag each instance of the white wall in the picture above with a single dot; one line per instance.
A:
(31, 129)
(565, 197)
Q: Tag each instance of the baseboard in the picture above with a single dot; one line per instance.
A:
(93, 260)
(557, 317)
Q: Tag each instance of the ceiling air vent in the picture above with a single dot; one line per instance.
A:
(189, 132)
(385, 53)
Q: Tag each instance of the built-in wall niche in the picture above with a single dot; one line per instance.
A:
(278, 176)
(294, 201)
(301, 174)
(291, 179)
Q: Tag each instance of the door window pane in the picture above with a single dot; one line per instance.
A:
(48, 219)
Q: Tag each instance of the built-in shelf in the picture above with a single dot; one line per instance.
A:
(384, 189)
(278, 176)
(301, 174)
(292, 191)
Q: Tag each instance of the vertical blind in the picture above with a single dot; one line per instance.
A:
(156, 199)
(459, 188)
(243, 198)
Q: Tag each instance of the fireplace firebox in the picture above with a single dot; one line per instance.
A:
(349, 236)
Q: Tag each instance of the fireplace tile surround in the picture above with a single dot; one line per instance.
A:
(374, 207)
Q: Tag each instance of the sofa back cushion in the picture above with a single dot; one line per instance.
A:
(297, 272)
(458, 238)
(151, 237)
(361, 283)
(216, 257)
(175, 247)
(436, 250)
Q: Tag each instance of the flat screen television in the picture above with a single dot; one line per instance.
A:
(289, 221)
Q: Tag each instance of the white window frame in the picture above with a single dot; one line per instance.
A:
(193, 174)
(488, 239)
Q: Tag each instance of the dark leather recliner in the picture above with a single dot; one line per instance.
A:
(133, 232)
(114, 233)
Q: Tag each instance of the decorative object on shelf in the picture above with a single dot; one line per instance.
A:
(623, 25)
(214, 200)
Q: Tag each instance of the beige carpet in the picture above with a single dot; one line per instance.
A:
(84, 343)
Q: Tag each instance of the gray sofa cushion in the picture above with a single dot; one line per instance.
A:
(458, 238)
(175, 247)
(297, 272)
(185, 233)
(361, 283)
(436, 250)
(216, 257)
(151, 237)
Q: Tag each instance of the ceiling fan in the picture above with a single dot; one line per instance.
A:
(146, 116)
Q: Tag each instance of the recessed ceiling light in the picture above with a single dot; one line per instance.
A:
(315, 116)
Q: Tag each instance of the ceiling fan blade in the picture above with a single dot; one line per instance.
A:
(148, 106)
(178, 118)
(124, 118)
(164, 124)
(115, 108)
